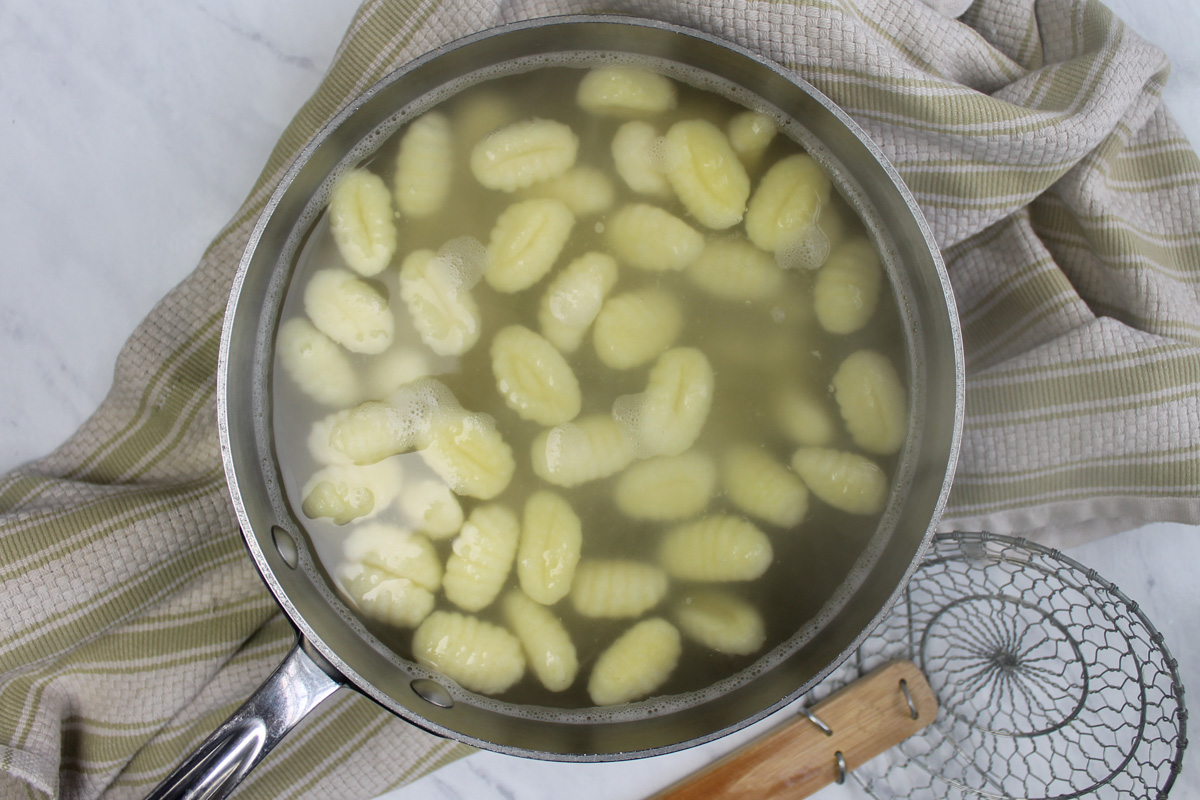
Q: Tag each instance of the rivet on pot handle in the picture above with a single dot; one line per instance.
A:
(218, 765)
(819, 746)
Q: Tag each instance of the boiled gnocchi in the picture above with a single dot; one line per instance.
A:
(803, 416)
(468, 453)
(525, 243)
(349, 311)
(614, 589)
(787, 202)
(667, 487)
(574, 298)
(551, 541)
(668, 417)
(533, 377)
(345, 492)
(716, 548)
(548, 647)
(847, 481)
(706, 174)
(625, 91)
(734, 269)
(431, 508)
(721, 621)
(847, 288)
(524, 153)
(762, 487)
(750, 133)
(587, 449)
(482, 557)
(649, 238)
(424, 166)
(318, 366)
(586, 191)
(391, 573)
(477, 655)
(441, 307)
(636, 664)
(639, 155)
(360, 219)
(636, 327)
(872, 401)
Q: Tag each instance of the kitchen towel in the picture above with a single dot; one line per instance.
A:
(1065, 200)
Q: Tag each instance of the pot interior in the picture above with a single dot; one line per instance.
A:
(845, 611)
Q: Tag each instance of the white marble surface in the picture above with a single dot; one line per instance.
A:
(131, 132)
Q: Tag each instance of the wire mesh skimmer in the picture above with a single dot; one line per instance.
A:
(1051, 682)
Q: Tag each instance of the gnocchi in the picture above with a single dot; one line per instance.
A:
(706, 174)
(586, 191)
(360, 219)
(397, 601)
(525, 243)
(482, 557)
(625, 91)
(396, 367)
(482, 113)
(636, 664)
(667, 487)
(349, 311)
(431, 508)
(524, 153)
(847, 288)
(574, 298)
(750, 134)
(649, 238)
(318, 366)
(636, 327)
(551, 540)
(588, 449)
(345, 492)
(762, 487)
(716, 548)
(478, 655)
(377, 429)
(468, 453)
(391, 574)
(734, 269)
(615, 589)
(804, 416)
(721, 621)
(872, 401)
(424, 166)
(787, 202)
(847, 481)
(548, 647)
(639, 155)
(533, 377)
(670, 414)
(443, 311)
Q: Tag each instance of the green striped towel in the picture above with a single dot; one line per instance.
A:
(1032, 134)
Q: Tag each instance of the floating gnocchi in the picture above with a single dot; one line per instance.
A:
(391, 573)
(668, 417)
(872, 401)
(533, 377)
(587, 449)
(346, 492)
(360, 219)
(847, 481)
(482, 557)
(667, 487)
(442, 309)
(733, 269)
(616, 589)
(424, 166)
(432, 508)
(649, 238)
(349, 311)
(716, 548)
(639, 155)
(551, 541)
(804, 416)
(787, 202)
(721, 621)
(847, 288)
(377, 429)
(636, 664)
(548, 647)
(634, 328)
(762, 487)
(586, 191)
(574, 298)
(625, 91)
(467, 452)
(706, 174)
(477, 655)
(318, 366)
(525, 243)
(524, 153)
(750, 134)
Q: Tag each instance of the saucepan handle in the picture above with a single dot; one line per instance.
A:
(218, 765)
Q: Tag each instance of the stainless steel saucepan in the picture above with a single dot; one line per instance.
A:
(334, 650)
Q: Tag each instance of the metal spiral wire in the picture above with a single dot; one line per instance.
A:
(1051, 682)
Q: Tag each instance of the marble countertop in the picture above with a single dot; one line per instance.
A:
(131, 133)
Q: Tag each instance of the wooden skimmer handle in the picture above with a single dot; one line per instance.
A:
(797, 758)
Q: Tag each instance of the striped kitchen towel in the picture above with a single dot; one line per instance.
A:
(1032, 134)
